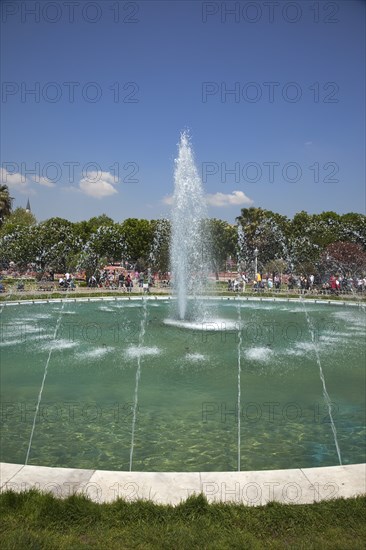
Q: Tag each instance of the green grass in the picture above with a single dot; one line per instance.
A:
(32, 520)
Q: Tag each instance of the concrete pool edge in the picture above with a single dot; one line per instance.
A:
(167, 298)
(252, 488)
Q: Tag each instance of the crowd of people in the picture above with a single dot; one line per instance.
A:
(125, 281)
(335, 284)
(67, 282)
(128, 280)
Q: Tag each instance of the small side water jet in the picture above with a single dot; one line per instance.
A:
(239, 383)
(188, 252)
(322, 378)
(138, 376)
(42, 384)
(241, 261)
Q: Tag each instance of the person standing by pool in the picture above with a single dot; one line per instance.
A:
(129, 283)
(121, 280)
(333, 284)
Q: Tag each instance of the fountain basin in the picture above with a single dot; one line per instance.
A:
(187, 415)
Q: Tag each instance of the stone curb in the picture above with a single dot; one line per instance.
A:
(256, 488)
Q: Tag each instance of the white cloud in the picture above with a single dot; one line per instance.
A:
(43, 181)
(98, 184)
(14, 180)
(307, 143)
(228, 199)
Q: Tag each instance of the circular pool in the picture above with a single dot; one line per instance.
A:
(119, 384)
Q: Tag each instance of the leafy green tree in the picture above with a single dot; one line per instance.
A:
(159, 252)
(105, 245)
(19, 247)
(311, 234)
(220, 242)
(353, 228)
(276, 266)
(82, 231)
(328, 226)
(48, 245)
(61, 245)
(56, 245)
(85, 228)
(138, 237)
(303, 248)
(20, 217)
(5, 203)
(267, 231)
(99, 221)
(17, 239)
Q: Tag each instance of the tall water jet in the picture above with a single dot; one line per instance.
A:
(189, 254)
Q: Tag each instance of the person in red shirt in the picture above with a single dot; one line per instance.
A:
(333, 283)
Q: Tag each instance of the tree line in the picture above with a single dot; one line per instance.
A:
(307, 243)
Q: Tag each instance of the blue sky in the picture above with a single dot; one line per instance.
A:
(114, 89)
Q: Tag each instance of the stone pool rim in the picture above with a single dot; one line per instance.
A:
(251, 488)
(167, 298)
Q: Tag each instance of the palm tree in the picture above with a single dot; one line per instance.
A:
(5, 202)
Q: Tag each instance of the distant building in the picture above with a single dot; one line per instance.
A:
(28, 207)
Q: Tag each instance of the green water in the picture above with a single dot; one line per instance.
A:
(187, 415)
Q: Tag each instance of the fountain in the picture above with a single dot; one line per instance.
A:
(117, 384)
(189, 262)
